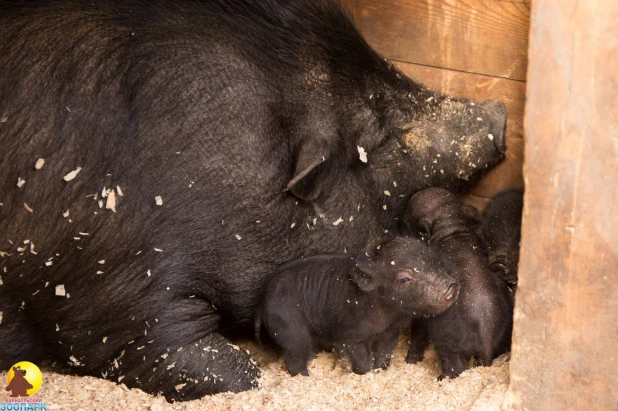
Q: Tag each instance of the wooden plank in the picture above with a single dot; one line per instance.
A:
(565, 341)
(478, 36)
(509, 173)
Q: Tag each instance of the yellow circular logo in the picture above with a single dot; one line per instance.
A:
(25, 379)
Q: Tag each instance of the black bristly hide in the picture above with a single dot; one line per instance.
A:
(246, 117)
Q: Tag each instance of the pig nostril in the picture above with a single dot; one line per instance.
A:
(499, 138)
(498, 266)
(451, 293)
(497, 129)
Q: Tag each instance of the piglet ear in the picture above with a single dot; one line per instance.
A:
(364, 275)
(473, 219)
(306, 183)
(422, 227)
(411, 225)
(425, 226)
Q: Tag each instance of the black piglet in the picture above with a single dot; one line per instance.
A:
(479, 323)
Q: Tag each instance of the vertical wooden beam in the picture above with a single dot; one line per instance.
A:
(565, 342)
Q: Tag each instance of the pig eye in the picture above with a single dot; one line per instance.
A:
(404, 276)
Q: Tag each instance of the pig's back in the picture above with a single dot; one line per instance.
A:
(316, 286)
(149, 101)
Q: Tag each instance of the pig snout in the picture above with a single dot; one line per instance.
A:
(497, 113)
(498, 266)
(504, 269)
(450, 296)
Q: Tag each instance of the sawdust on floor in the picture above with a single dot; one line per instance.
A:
(331, 386)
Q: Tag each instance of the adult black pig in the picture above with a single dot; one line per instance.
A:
(162, 158)
(356, 304)
(479, 323)
(502, 232)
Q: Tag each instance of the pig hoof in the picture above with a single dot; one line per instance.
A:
(450, 376)
(304, 373)
(383, 364)
(414, 358)
(297, 370)
(361, 370)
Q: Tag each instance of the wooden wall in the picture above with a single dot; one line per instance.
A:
(467, 48)
(565, 341)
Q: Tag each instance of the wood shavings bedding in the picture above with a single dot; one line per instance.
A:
(330, 387)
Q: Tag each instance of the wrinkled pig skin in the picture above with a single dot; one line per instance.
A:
(355, 304)
(502, 233)
(247, 119)
(479, 323)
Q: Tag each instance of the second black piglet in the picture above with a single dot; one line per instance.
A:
(355, 304)
(479, 323)
(502, 232)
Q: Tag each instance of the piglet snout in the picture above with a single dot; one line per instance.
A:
(498, 266)
(451, 294)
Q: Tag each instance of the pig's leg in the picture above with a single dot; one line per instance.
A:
(359, 355)
(419, 339)
(453, 363)
(18, 339)
(485, 357)
(384, 345)
(296, 360)
(289, 331)
(183, 357)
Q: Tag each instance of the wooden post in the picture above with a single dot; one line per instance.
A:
(565, 342)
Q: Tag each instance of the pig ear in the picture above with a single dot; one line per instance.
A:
(421, 226)
(364, 276)
(305, 184)
(473, 218)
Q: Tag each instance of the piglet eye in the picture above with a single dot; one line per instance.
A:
(403, 280)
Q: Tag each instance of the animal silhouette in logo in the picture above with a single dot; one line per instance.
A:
(19, 385)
